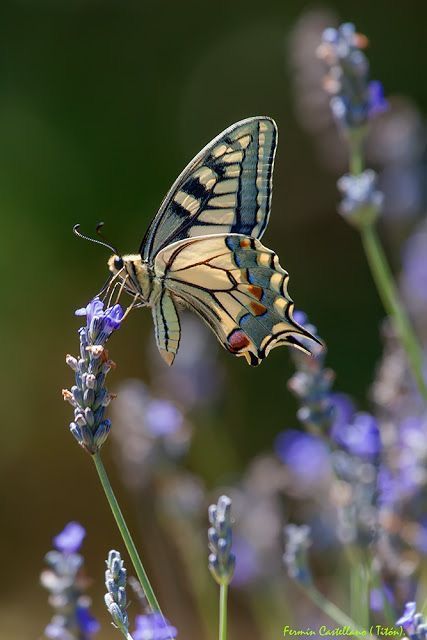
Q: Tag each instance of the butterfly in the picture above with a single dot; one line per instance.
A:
(203, 250)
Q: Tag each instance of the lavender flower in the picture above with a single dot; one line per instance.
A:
(350, 447)
(153, 626)
(354, 99)
(312, 383)
(115, 598)
(89, 396)
(361, 202)
(221, 558)
(360, 437)
(72, 619)
(70, 539)
(297, 542)
(295, 448)
(412, 622)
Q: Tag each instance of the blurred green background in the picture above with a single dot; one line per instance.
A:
(101, 106)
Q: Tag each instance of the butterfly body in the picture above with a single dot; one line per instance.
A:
(137, 276)
(202, 250)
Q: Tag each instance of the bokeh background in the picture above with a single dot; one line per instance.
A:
(101, 106)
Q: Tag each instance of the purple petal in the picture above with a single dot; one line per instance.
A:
(94, 308)
(407, 619)
(113, 317)
(87, 623)
(70, 539)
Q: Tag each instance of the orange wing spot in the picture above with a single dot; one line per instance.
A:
(245, 243)
(237, 340)
(257, 308)
(255, 291)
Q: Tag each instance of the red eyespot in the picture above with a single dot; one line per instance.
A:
(237, 340)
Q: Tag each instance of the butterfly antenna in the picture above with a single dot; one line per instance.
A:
(101, 235)
(77, 232)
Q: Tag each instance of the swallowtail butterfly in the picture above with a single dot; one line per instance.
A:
(203, 250)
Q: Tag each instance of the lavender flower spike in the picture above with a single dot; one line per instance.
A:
(115, 598)
(221, 559)
(72, 619)
(297, 542)
(89, 396)
(413, 623)
(362, 202)
(354, 98)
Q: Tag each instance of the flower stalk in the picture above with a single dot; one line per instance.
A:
(392, 303)
(355, 100)
(125, 533)
(89, 397)
(223, 599)
(221, 559)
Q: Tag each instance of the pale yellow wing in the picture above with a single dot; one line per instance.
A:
(239, 289)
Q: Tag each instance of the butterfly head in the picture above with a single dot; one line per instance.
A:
(116, 264)
(134, 274)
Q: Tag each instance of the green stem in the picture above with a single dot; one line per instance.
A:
(356, 154)
(329, 608)
(389, 296)
(223, 593)
(383, 278)
(127, 538)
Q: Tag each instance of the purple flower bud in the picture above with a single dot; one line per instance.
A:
(70, 539)
(407, 619)
(101, 323)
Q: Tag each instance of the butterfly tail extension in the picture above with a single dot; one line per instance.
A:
(167, 327)
(238, 288)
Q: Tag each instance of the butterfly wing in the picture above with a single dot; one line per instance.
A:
(225, 189)
(238, 287)
(167, 328)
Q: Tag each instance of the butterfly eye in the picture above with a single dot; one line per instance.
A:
(118, 263)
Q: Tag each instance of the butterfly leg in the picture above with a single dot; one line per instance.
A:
(130, 307)
(167, 327)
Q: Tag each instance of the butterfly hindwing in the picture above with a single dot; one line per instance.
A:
(225, 189)
(238, 287)
(166, 327)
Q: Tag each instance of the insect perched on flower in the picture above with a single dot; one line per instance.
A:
(202, 250)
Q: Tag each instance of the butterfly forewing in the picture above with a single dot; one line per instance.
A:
(225, 189)
(238, 287)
